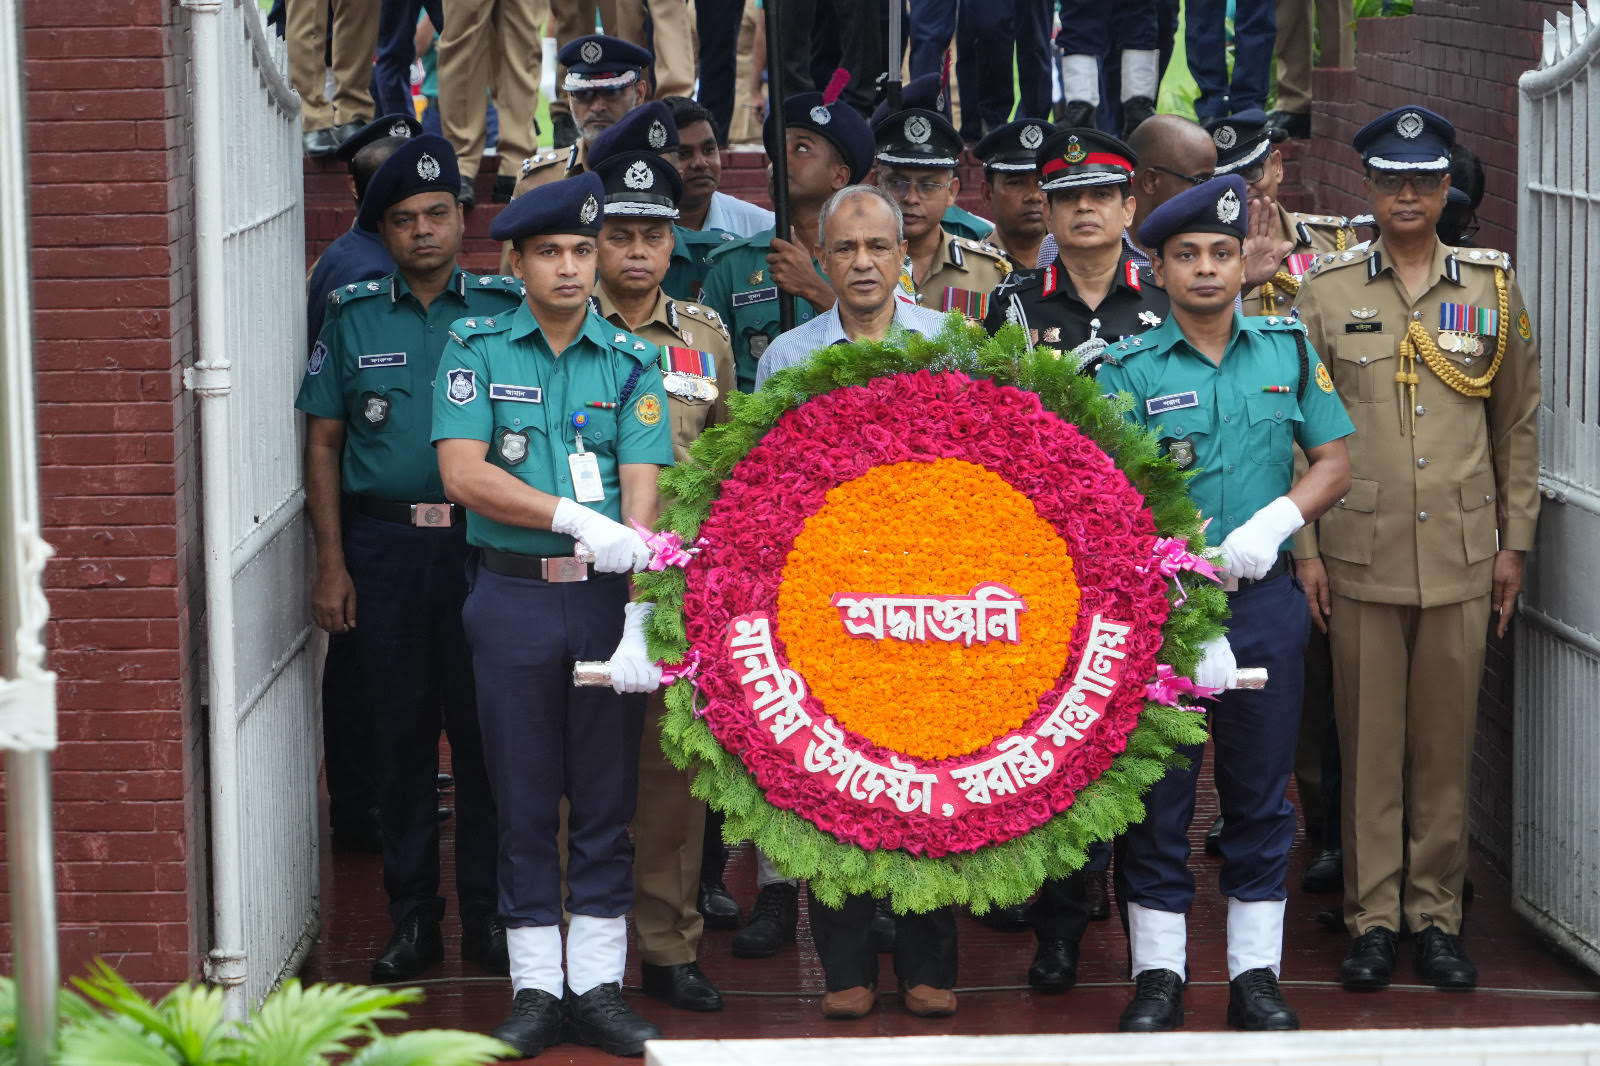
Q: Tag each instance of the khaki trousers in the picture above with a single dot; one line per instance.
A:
(674, 41)
(668, 828)
(746, 125)
(355, 42)
(1405, 690)
(491, 46)
(1295, 23)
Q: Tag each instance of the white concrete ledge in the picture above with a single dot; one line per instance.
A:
(1577, 1045)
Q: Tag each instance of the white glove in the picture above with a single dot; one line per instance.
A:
(1217, 664)
(617, 549)
(632, 669)
(1250, 550)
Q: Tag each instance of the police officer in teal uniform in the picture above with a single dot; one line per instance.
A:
(1228, 397)
(551, 427)
(829, 146)
(397, 567)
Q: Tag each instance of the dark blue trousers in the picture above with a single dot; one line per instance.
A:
(417, 674)
(545, 739)
(924, 945)
(397, 50)
(929, 29)
(1255, 33)
(347, 737)
(717, 26)
(1253, 736)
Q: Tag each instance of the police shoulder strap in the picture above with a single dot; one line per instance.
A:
(1305, 364)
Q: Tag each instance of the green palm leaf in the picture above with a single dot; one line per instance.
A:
(432, 1047)
(300, 1026)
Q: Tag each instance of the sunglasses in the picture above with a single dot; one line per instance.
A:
(1192, 179)
(1422, 184)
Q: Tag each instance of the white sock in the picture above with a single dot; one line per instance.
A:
(1255, 936)
(1080, 79)
(597, 950)
(535, 958)
(768, 874)
(1141, 73)
(1158, 939)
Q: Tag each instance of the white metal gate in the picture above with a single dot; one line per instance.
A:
(1556, 840)
(250, 252)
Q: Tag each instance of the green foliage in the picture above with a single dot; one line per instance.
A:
(111, 1024)
(997, 875)
(1371, 9)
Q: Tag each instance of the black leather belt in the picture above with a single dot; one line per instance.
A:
(553, 568)
(1278, 569)
(426, 515)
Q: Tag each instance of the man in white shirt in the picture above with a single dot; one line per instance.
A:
(861, 246)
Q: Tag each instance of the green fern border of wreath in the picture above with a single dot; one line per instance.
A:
(994, 875)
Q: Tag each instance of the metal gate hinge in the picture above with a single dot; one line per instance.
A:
(225, 969)
(213, 378)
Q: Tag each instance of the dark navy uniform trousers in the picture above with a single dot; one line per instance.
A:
(1253, 734)
(1255, 34)
(544, 739)
(924, 945)
(417, 674)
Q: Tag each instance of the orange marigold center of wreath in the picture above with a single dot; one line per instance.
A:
(917, 530)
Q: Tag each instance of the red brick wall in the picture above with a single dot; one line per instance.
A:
(113, 281)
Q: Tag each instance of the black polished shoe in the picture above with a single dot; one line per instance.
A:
(563, 130)
(468, 195)
(445, 812)
(882, 928)
(415, 946)
(718, 907)
(348, 130)
(446, 781)
(534, 1023)
(504, 186)
(1135, 109)
(682, 986)
(1097, 895)
(1441, 962)
(1006, 919)
(319, 143)
(602, 1018)
(1295, 125)
(1157, 1005)
(1370, 961)
(1077, 113)
(1256, 1003)
(1055, 965)
(1326, 872)
(771, 924)
(483, 941)
(1214, 837)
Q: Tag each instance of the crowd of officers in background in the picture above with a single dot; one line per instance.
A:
(1356, 398)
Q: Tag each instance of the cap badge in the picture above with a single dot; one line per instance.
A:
(589, 211)
(1409, 125)
(591, 52)
(1227, 208)
(821, 115)
(1075, 151)
(400, 129)
(657, 135)
(918, 129)
(639, 176)
(1032, 137)
(427, 167)
(1225, 137)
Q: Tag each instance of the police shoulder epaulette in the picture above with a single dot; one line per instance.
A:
(467, 328)
(358, 290)
(638, 347)
(1275, 322)
(1335, 260)
(539, 160)
(706, 315)
(502, 282)
(1488, 257)
(1326, 221)
(982, 248)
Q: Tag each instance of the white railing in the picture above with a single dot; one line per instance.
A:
(1556, 806)
(250, 252)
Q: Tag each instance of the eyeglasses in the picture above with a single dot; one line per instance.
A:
(1192, 179)
(1422, 184)
(898, 187)
(1253, 173)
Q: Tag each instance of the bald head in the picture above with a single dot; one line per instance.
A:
(1167, 146)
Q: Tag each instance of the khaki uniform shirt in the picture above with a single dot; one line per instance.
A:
(543, 168)
(693, 405)
(963, 274)
(1426, 510)
(1313, 236)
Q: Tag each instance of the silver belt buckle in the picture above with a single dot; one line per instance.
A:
(564, 569)
(430, 515)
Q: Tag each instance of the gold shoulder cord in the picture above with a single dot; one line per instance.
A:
(1418, 341)
(1288, 282)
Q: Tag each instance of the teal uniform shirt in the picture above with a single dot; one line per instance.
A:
(499, 383)
(964, 223)
(692, 253)
(740, 289)
(372, 368)
(1218, 420)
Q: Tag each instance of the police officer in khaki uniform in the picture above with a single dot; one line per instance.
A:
(917, 155)
(490, 46)
(1245, 146)
(1432, 350)
(605, 80)
(642, 189)
(329, 123)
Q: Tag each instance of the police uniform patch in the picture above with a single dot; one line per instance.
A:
(512, 447)
(1324, 382)
(463, 386)
(647, 410)
(1179, 450)
(319, 354)
(1524, 327)
(375, 408)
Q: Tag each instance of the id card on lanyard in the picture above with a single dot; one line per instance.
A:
(586, 484)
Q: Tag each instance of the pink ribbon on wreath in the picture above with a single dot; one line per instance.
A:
(681, 671)
(666, 548)
(1169, 685)
(1171, 556)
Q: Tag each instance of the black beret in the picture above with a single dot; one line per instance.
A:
(425, 163)
(926, 92)
(571, 205)
(396, 125)
(647, 128)
(1218, 206)
(840, 123)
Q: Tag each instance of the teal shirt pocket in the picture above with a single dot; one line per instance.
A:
(1273, 421)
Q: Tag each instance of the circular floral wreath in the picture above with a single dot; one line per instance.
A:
(874, 704)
